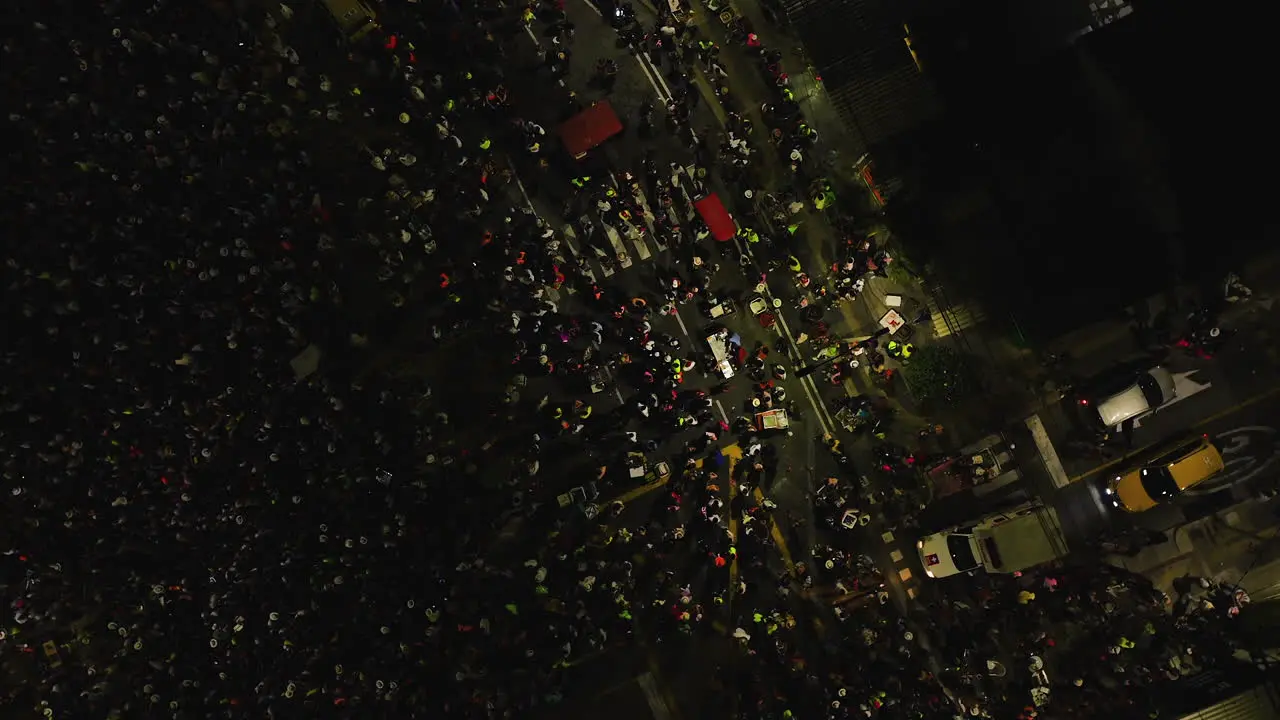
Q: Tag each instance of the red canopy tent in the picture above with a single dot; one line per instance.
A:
(589, 128)
(718, 220)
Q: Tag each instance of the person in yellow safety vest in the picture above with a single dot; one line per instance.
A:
(559, 413)
(527, 16)
(899, 351)
(610, 192)
(675, 366)
(751, 235)
(788, 95)
(584, 412)
(355, 91)
(534, 147)
(820, 201)
(705, 45)
(792, 228)
(581, 181)
(793, 262)
(624, 215)
(486, 143)
(449, 105)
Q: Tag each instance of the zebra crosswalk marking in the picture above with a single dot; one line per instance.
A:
(642, 248)
(570, 238)
(624, 257)
(955, 319)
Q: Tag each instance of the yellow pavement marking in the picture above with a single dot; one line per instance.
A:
(660, 684)
(778, 538)
(905, 574)
(630, 495)
(1204, 421)
(734, 454)
(645, 489)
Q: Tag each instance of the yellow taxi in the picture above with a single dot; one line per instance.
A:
(1185, 465)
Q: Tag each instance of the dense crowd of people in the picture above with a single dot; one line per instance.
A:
(1087, 640)
(199, 522)
(202, 524)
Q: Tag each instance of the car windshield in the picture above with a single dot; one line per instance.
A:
(961, 552)
(1151, 390)
(1159, 483)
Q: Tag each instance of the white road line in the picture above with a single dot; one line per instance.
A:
(806, 382)
(624, 258)
(569, 237)
(723, 415)
(690, 211)
(658, 244)
(642, 249)
(644, 67)
(682, 326)
(1048, 453)
(594, 9)
(532, 37)
(657, 705)
(609, 374)
(665, 93)
(649, 217)
(525, 193)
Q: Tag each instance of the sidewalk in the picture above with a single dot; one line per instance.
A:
(1237, 546)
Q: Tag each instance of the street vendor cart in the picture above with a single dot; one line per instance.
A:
(583, 497)
(598, 378)
(718, 308)
(764, 310)
(636, 465)
(718, 341)
(775, 419)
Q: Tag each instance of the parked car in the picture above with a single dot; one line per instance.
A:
(1184, 465)
(1128, 395)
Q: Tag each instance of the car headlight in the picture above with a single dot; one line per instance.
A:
(1110, 490)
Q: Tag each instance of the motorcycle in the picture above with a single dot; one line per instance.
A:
(1203, 337)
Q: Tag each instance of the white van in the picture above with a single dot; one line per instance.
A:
(1006, 542)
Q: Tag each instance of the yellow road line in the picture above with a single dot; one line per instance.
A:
(776, 532)
(734, 455)
(1204, 421)
(641, 491)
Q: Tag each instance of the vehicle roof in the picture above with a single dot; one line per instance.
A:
(589, 128)
(1194, 467)
(1024, 542)
(1131, 493)
(1123, 405)
(936, 544)
(1129, 401)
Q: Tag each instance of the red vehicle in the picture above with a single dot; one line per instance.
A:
(589, 129)
(718, 220)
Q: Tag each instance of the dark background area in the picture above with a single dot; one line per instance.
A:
(1070, 178)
